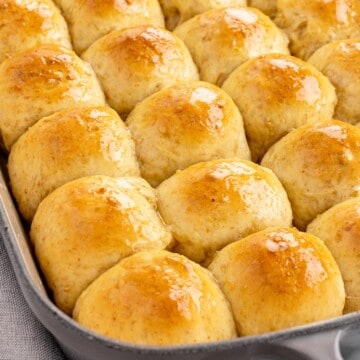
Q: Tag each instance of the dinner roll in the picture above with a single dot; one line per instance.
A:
(136, 62)
(27, 23)
(38, 82)
(156, 298)
(339, 61)
(222, 39)
(86, 226)
(339, 227)
(279, 278)
(184, 124)
(178, 11)
(278, 93)
(91, 19)
(268, 7)
(211, 204)
(319, 166)
(65, 146)
(312, 24)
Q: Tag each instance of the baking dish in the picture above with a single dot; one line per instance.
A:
(322, 340)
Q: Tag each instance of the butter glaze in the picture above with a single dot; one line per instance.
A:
(136, 62)
(238, 33)
(339, 228)
(279, 278)
(26, 23)
(86, 226)
(312, 24)
(339, 61)
(198, 117)
(278, 93)
(39, 82)
(156, 290)
(89, 20)
(318, 164)
(211, 204)
(178, 11)
(51, 153)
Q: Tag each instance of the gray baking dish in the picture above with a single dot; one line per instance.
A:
(318, 341)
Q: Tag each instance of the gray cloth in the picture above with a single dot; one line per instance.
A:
(22, 337)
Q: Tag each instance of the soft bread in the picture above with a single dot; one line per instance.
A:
(279, 278)
(27, 23)
(339, 61)
(156, 298)
(136, 62)
(211, 204)
(318, 164)
(40, 81)
(184, 124)
(178, 11)
(65, 146)
(91, 19)
(339, 228)
(278, 93)
(86, 226)
(312, 24)
(222, 39)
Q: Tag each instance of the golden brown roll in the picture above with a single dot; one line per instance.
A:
(339, 61)
(38, 82)
(318, 164)
(156, 298)
(278, 93)
(211, 204)
(178, 11)
(28, 23)
(279, 278)
(312, 24)
(268, 7)
(91, 19)
(86, 226)
(184, 124)
(136, 62)
(222, 39)
(339, 228)
(65, 146)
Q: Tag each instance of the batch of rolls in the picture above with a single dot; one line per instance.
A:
(183, 175)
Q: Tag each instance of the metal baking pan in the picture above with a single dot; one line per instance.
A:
(319, 341)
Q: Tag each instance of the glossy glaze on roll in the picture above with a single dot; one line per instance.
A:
(27, 23)
(156, 298)
(65, 146)
(237, 33)
(279, 278)
(184, 124)
(136, 62)
(339, 228)
(277, 94)
(318, 164)
(213, 203)
(178, 11)
(91, 19)
(340, 62)
(86, 226)
(312, 24)
(38, 82)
